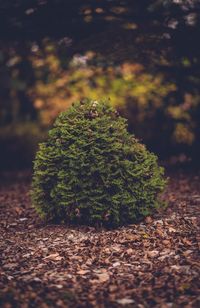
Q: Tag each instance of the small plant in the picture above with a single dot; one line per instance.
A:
(91, 170)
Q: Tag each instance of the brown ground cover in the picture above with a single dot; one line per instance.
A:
(151, 264)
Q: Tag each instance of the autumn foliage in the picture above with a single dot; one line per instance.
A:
(91, 170)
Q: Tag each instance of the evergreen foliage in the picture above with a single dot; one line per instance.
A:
(91, 170)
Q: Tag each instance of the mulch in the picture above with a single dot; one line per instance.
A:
(154, 263)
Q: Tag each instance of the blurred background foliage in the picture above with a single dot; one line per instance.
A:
(143, 55)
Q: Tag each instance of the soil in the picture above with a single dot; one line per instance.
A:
(151, 264)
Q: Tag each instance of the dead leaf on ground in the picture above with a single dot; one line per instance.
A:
(53, 257)
(125, 301)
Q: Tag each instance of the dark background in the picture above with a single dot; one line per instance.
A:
(143, 55)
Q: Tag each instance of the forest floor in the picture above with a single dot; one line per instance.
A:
(151, 264)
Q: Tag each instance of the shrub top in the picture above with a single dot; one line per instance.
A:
(92, 170)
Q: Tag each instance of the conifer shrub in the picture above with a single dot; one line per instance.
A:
(91, 170)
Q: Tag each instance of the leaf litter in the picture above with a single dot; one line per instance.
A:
(154, 263)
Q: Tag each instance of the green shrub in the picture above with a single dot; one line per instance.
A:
(92, 171)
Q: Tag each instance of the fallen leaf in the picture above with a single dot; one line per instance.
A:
(112, 288)
(171, 229)
(116, 264)
(187, 252)
(148, 220)
(23, 219)
(186, 242)
(59, 286)
(103, 277)
(10, 265)
(125, 301)
(176, 267)
(83, 272)
(54, 257)
(145, 235)
(166, 242)
(129, 251)
(160, 233)
(153, 253)
(130, 238)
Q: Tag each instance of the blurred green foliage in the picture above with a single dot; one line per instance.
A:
(147, 64)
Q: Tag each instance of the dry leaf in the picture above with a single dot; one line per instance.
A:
(83, 272)
(10, 265)
(187, 252)
(171, 229)
(186, 242)
(145, 235)
(116, 264)
(125, 301)
(148, 220)
(160, 233)
(54, 257)
(80, 264)
(176, 267)
(153, 253)
(130, 238)
(103, 277)
(166, 242)
(129, 251)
